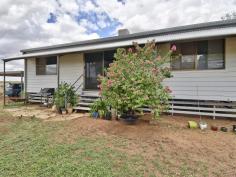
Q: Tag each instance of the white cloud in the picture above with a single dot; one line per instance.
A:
(24, 25)
(140, 15)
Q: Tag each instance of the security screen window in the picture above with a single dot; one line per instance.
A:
(46, 66)
(201, 55)
(176, 58)
(216, 54)
(188, 58)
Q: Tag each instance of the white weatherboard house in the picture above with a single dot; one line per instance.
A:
(204, 79)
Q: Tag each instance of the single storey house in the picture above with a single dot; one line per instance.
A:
(204, 77)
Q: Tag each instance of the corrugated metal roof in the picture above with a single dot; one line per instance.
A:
(179, 29)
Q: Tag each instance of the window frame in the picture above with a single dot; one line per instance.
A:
(45, 73)
(195, 57)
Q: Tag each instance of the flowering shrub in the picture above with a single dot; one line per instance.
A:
(135, 78)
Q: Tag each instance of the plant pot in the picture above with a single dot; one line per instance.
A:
(223, 129)
(203, 125)
(192, 124)
(129, 119)
(108, 116)
(59, 110)
(234, 128)
(101, 114)
(95, 115)
(54, 108)
(113, 113)
(214, 128)
(70, 110)
(63, 111)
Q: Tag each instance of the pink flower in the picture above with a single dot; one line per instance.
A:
(155, 70)
(173, 48)
(167, 89)
(109, 83)
(100, 86)
(130, 50)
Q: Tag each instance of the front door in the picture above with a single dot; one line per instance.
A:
(93, 67)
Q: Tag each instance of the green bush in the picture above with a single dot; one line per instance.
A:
(135, 79)
(64, 95)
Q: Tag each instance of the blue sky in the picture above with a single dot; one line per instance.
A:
(103, 24)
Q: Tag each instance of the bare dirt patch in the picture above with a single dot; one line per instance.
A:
(43, 113)
(169, 142)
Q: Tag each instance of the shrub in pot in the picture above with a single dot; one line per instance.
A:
(64, 95)
(135, 79)
(94, 110)
(108, 115)
(99, 109)
(69, 108)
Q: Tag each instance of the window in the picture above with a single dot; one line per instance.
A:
(215, 54)
(187, 51)
(199, 55)
(201, 58)
(46, 66)
(108, 57)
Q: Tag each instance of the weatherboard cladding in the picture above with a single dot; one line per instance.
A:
(196, 84)
(160, 32)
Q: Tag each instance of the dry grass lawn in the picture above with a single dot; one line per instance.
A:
(88, 147)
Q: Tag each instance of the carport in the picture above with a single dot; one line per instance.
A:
(5, 74)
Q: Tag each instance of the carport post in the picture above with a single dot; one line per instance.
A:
(21, 81)
(4, 82)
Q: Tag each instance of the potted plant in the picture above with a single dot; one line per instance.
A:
(108, 115)
(214, 128)
(135, 79)
(129, 117)
(224, 129)
(69, 108)
(100, 109)
(63, 111)
(202, 125)
(64, 95)
(94, 109)
(192, 124)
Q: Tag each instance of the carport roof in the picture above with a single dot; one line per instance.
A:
(13, 73)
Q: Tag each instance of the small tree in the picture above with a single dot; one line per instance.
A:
(135, 79)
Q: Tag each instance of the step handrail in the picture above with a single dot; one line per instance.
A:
(77, 80)
(79, 87)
